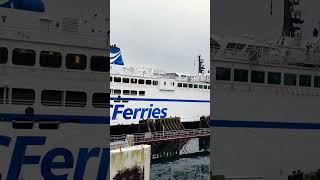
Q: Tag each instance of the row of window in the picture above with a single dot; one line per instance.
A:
(154, 82)
(50, 59)
(134, 81)
(127, 92)
(274, 78)
(53, 98)
(200, 86)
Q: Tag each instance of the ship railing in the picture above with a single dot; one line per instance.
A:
(235, 53)
(174, 134)
(116, 138)
(252, 55)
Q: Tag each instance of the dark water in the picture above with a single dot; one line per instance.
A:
(191, 164)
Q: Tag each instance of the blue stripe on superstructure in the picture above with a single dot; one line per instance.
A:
(5, 117)
(263, 124)
(158, 99)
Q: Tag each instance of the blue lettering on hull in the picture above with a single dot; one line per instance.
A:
(138, 113)
(47, 164)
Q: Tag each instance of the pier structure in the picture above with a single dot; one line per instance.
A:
(167, 129)
(167, 136)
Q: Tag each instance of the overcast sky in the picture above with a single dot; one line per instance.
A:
(168, 34)
(171, 33)
(238, 17)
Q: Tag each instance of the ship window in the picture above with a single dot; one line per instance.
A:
(134, 93)
(155, 83)
(190, 85)
(185, 85)
(290, 79)
(125, 80)
(134, 81)
(100, 100)
(76, 61)
(23, 96)
(75, 99)
(179, 84)
(195, 86)
(165, 83)
(117, 91)
(50, 59)
(200, 86)
(1, 95)
(257, 76)
(117, 79)
(6, 98)
(141, 81)
(25, 57)
(205, 87)
(241, 75)
(316, 81)
(148, 82)
(305, 80)
(126, 92)
(208, 87)
(51, 98)
(274, 78)
(99, 63)
(223, 73)
(3, 55)
(110, 78)
(142, 93)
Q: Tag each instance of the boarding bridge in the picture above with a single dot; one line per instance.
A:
(166, 129)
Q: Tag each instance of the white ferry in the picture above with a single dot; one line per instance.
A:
(140, 93)
(53, 95)
(265, 121)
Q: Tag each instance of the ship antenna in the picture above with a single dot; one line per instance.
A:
(291, 18)
(200, 65)
(271, 8)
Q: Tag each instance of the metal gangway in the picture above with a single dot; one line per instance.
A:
(161, 136)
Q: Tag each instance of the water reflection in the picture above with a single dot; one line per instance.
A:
(191, 163)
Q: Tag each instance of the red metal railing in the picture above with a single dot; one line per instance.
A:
(153, 137)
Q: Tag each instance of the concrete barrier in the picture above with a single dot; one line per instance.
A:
(132, 161)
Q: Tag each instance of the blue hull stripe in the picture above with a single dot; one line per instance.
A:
(61, 118)
(263, 124)
(159, 100)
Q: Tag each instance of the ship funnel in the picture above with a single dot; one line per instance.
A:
(115, 56)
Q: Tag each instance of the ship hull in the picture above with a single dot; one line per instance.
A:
(264, 135)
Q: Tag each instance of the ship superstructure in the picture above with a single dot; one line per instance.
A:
(141, 93)
(265, 121)
(53, 95)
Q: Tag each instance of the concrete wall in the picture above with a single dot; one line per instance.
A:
(131, 161)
